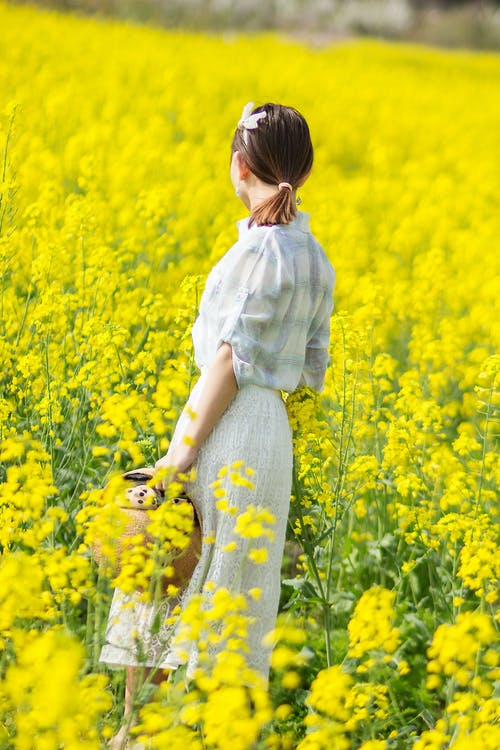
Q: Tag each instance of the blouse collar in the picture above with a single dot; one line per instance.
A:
(300, 221)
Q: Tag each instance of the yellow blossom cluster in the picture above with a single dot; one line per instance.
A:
(464, 656)
(222, 712)
(115, 202)
(228, 704)
(455, 649)
(371, 627)
(480, 563)
(46, 702)
(339, 707)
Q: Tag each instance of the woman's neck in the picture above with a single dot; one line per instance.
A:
(256, 192)
(260, 193)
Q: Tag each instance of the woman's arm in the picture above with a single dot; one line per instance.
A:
(217, 393)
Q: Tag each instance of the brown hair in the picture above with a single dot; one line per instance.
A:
(278, 150)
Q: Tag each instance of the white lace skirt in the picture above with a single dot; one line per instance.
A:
(255, 429)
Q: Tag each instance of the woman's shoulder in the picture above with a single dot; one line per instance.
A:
(297, 234)
(248, 232)
(281, 244)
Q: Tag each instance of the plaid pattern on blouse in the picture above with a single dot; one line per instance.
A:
(271, 298)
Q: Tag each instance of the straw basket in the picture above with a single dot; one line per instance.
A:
(139, 504)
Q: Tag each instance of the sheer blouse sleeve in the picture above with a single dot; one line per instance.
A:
(316, 356)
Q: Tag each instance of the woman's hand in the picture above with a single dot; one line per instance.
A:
(179, 462)
(219, 389)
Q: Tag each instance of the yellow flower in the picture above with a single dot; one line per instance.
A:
(290, 680)
(457, 645)
(52, 703)
(258, 556)
(252, 523)
(371, 626)
(283, 711)
(403, 667)
(224, 506)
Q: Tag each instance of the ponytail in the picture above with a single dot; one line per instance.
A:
(279, 208)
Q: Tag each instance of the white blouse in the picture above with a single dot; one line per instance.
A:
(270, 297)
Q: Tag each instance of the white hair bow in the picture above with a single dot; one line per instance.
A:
(249, 121)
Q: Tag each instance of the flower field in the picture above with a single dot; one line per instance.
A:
(115, 200)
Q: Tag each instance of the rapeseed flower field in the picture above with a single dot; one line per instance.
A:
(114, 203)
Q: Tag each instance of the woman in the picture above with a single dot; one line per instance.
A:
(263, 328)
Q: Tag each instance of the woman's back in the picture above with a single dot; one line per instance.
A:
(270, 297)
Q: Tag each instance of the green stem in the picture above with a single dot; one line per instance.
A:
(483, 457)
(4, 170)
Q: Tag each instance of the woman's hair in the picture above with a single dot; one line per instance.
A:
(278, 150)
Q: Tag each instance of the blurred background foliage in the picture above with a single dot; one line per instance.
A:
(449, 23)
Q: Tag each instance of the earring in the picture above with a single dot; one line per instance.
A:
(298, 200)
(237, 191)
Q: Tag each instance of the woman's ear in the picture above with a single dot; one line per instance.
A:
(240, 165)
